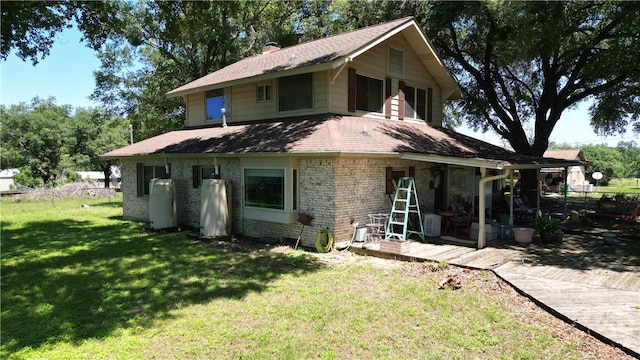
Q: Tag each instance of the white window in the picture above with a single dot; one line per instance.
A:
(263, 93)
(396, 61)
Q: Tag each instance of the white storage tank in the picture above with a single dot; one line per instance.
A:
(162, 204)
(215, 208)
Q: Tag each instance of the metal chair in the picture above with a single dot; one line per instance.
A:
(462, 224)
(377, 225)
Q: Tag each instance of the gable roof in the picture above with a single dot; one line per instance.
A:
(323, 54)
(329, 135)
(568, 154)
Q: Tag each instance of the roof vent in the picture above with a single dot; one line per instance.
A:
(270, 47)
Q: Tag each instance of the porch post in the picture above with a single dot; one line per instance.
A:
(538, 190)
(511, 199)
(482, 241)
(566, 186)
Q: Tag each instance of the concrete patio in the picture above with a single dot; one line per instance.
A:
(585, 282)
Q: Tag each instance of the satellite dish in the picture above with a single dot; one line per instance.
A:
(596, 175)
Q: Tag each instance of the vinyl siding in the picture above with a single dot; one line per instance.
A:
(195, 109)
(373, 63)
(245, 107)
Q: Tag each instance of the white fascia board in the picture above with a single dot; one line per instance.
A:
(379, 40)
(489, 164)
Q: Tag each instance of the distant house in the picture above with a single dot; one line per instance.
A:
(6, 179)
(321, 128)
(576, 176)
(98, 176)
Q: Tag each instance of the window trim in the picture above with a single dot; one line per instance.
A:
(206, 104)
(197, 174)
(312, 94)
(265, 86)
(291, 201)
(143, 187)
(414, 113)
(382, 93)
(284, 188)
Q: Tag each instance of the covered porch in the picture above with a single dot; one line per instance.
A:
(475, 187)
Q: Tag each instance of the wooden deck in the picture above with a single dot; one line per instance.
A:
(581, 280)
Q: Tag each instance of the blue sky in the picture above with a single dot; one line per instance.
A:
(67, 75)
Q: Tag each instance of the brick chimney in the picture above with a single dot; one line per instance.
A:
(270, 47)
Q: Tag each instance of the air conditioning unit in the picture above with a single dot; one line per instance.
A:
(431, 224)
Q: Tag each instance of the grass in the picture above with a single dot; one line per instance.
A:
(628, 186)
(80, 283)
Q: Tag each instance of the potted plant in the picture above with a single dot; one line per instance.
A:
(547, 228)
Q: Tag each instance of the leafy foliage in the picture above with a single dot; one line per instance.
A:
(47, 140)
(527, 62)
(166, 44)
(604, 159)
(29, 27)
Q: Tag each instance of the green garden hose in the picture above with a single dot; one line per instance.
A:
(324, 242)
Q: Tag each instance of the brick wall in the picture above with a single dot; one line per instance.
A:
(335, 191)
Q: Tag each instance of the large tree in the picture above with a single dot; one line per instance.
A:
(34, 135)
(166, 44)
(29, 27)
(522, 64)
(51, 140)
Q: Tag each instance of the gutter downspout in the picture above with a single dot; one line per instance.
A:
(481, 203)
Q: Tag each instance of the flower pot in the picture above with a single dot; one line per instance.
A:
(523, 236)
(547, 236)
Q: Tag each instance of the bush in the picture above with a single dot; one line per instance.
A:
(27, 178)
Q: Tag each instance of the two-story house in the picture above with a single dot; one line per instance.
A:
(319, 128)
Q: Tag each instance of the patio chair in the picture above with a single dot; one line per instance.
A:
(462, 224)
(521, 211)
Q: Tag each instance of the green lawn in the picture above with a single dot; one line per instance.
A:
(80, 283)
(629, 187)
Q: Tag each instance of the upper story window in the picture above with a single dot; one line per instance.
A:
(215, 104)
(418, 103)
(369, 94)
(396, 61)
(263, 93)
(295, 92)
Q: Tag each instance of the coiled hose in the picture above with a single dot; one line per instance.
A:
(324, 241)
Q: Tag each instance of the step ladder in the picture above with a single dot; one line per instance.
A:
(405, 203)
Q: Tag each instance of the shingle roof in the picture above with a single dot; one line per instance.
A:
(568, 154)
(323, 134)
(321, 51)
